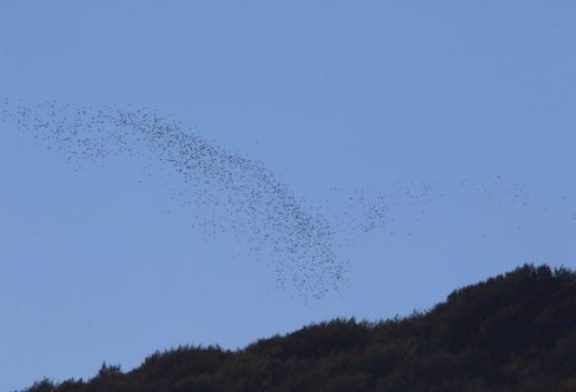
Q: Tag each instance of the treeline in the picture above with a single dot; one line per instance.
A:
(514, 332)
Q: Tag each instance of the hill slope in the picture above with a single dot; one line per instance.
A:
(514, 332)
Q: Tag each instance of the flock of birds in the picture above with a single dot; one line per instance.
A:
(299, 240)
(245, 197)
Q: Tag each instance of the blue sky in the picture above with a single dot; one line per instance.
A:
(434, 140)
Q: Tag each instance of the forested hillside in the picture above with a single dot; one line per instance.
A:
(513, 332)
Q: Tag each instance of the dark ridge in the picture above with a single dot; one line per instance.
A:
(513, 332)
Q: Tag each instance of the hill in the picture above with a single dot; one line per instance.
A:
(513, 332)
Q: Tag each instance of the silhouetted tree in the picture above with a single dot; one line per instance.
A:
(514, 332)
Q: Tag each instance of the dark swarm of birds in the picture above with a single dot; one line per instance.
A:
(232, 196)
(245, 198)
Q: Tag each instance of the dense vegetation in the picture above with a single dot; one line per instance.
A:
(514, 332)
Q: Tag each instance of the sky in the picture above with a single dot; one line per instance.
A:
(215, 172)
